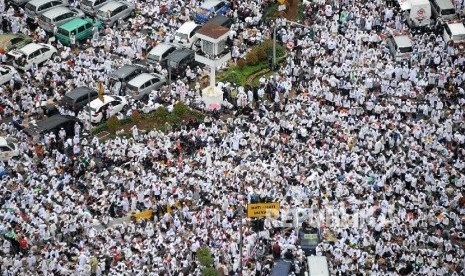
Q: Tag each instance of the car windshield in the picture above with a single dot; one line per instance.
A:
(448, 12)
(153, 56)
(459, 37)
(181, 36)
(63, 32)
(102, 14)
(405, 49)
(86, 2)
(11, 145)
(44, 18)
(309, 239)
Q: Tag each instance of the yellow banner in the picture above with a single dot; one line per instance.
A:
(260, 210)
(143, 215)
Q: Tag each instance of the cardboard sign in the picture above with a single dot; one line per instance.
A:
(260, 210)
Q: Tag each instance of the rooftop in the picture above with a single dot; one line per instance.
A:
(213, 30)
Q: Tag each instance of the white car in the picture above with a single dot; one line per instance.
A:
(6, 73)
(32, 53)
(8, 149)
(99, 111)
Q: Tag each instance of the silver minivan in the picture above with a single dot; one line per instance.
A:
(36, 7)
(141, 86)
(57, 17)
(159, 53)
(91, 7)
(112, 11)
(443, 9)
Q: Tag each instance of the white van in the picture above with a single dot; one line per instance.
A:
(443, 9)
(8, 149)
(400, 46)
(159, 53)
(317, 266)
(418, 12)
(454, 32)
(185, 35)
(36, 7)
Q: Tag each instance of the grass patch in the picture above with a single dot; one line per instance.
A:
(256, 80)
(240, 74)
(160, 119)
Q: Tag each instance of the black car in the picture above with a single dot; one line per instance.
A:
(79, 97)
(53, 124)
(309, 238)
(179, 60)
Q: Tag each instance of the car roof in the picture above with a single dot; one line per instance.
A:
(4, 67)
(39, 2)
(179, 54)
(76, 22)
(161, 48)
(31, 47)
(97, 103)
(110, 6)
(187, 27)
(456, 28)
(78, 92)
(141, 79)
(403, 41)
(210, 4)
(127, 69)
(55, 10)
(54, 121)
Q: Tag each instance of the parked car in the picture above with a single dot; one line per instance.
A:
(77, 98)
(443, 10)
(179, 60)
(36, 7)
(454, 33)
(400, 46)
(82, 28)
(32, 53)
(185, 35)
(309, 238)
(99, 109)
(114, 10)
(159, 53)
(18, 3)
(10, 42)
(141, 86)
(221, 20)
(120, 77)
(8, 149)
(57, 17)
(211, 8)
(91, 7)
(6, 73)
(52, 124)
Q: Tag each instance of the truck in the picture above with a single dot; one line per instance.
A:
(418, 13)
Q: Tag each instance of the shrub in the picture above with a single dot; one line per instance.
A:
(113, 124)
(267, 46)
(251, 58)
(209, 271)
(135, 117)
(180, 109)
(241, 63)
(161, 113)
(205, 257)
(260, 53)
(232, 76)
(100, 128)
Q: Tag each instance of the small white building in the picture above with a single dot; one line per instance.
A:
(214, 53)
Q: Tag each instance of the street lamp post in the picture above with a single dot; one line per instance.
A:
(240, 239)
(88, 109)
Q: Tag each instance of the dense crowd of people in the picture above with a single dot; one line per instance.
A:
(342, 129)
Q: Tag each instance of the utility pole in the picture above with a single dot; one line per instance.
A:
(240, 239)
(88, 109)
(169, 77)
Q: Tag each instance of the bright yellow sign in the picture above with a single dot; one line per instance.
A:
(260, 210)
(147, 214)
